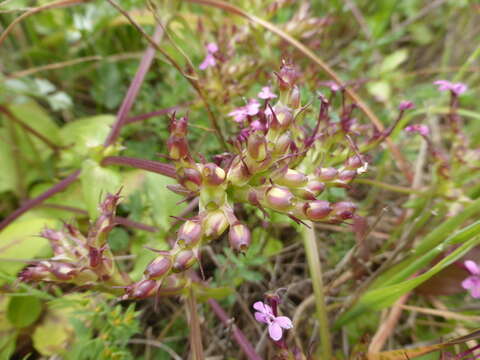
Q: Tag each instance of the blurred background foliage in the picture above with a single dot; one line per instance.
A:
(63, 75)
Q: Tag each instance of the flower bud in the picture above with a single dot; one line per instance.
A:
(295, 98)
(158, 267)
(406, 105)
(279, 198)
(178, 127)
(283, 143)
(177, 148)
(288, 76)
(239, 237)
(317, 210)
(292, 178)
(343, 210)
(315, 187)
(184, 259)
(142, 289)
(190, 178)
(238, 173)
(354, 162)
(215, 224)
(257, 146)
(213, 174)
(189, 234)
(284, 116)
(347, 175)
(36, 272)
(63, 271)
(326, 174)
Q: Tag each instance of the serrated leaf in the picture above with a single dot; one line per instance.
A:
(96, 182)
(24, 310)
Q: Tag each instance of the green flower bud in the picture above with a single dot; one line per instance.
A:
(257, 146)
(190, 233)
(215, 223)
(279, 198)
(213, 174)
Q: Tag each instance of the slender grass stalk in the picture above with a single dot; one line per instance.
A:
(195, 331)
(315, 269)
(149, 165)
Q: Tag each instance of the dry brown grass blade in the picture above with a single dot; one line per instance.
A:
(52, 5)
(402, 163)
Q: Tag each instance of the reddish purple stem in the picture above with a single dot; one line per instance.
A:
(149, 165)
(132, 92)
(160, 112)
(62, 185)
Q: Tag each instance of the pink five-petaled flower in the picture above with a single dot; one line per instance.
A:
(472, 283)
(455, 88)
(418, 128)
(209, 60)
(241, 113)
(266, 93)
(265, 315)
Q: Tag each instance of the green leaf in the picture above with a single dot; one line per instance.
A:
(381, 90)
(7, 180)
(20, 240)
(24, 310)
(96, 182)
(393, 61)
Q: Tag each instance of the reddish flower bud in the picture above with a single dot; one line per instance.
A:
(317, 210)
(63, 271)
(347, 175)
(284, 116)
(142, 289)
(190, 178)
(295, 98)
(36, 272)
(354, 162)
(315, 186)
(406, 105)
(279, 198)
(215, 223)
(213, 174)
(344, 210)
(291, 178)
(257, 146)
(239, 237)
(288, 76)
(177, 148)
(178, 127)
(158, 267)
(184, 259)
(326, 174)
(189, 234)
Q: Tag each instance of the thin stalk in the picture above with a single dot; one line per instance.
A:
(195, 331)
(391, 187)
(149, 165)
(315, 268)
(160, 112)
(62, 185)
(132, 92)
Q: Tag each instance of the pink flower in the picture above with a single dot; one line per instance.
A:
(209, 60)
(456, 88)
(265, 315)
(240, 114)
(406, 105)
(472, 283)
(266, 93)
(418, 128)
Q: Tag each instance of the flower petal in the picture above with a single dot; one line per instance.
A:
(260, 306)
(284, 322)
(468, 283)
(260, 317)
(475, 292)
(275, 331)
(472, 267)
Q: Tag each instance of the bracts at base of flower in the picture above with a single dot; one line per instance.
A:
(183, 260)
(190, 234)
(159, 267)
(239, 237)
(214, 224)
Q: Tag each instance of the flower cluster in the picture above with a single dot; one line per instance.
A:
(79, 259)
(277, 164)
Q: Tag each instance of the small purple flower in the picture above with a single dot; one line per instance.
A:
(240, 114)
(472, 283)
(264, 314)
(209, 60)
(455, 88)
(266, 93)
(418, 128)
(406, 105)
(332, 85)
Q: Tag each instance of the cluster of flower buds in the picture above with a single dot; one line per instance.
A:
(79, 259)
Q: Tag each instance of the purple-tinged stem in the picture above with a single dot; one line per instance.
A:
(149, 165)
(132, 92)
(62, 185)
(241, 340)
(146, 116)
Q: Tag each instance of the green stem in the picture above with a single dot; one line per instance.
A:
(315, 269)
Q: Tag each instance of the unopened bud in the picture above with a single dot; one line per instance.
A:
(288, 76)
(347, 175)
(239, 237)
(317, 210)
(315, 186)
(184, 259)
(295, 98)
(354, 162)
(238, 173)
(142, 289)
(257, 146)
(189, 234)
(406, 105)
(284, 116)
(158, 267)
(326, 174)
(178, 127)
(283, 143)
(177, 148)
(292, 178)
(344, 210)
(190, 178)
(215, 224)
(35, 273)
(63, 271)
(213, 174)
(279, 198)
